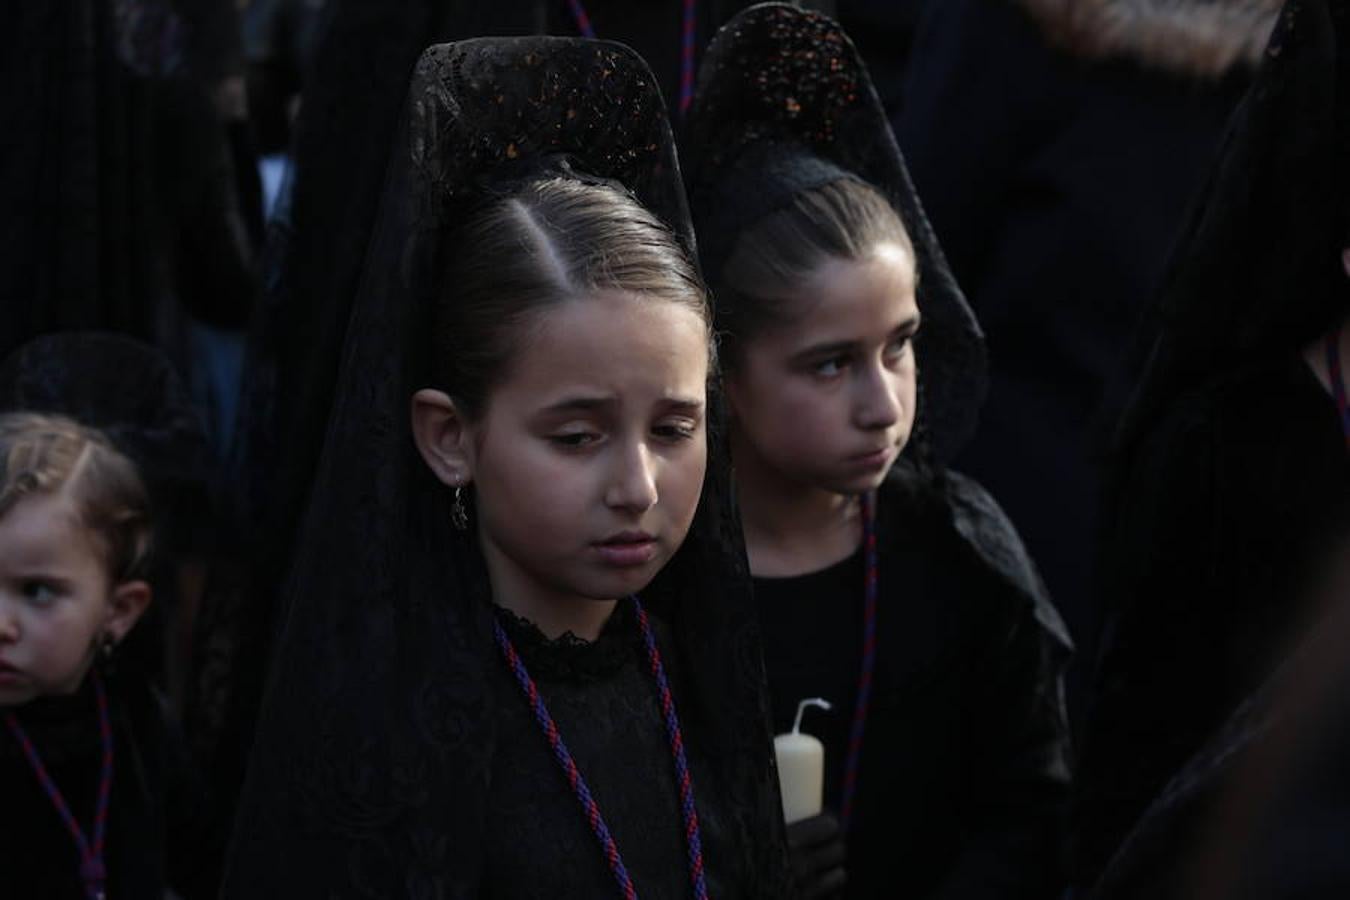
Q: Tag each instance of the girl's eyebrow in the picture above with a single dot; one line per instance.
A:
(834, 348)
(580, 403)
(683, 404)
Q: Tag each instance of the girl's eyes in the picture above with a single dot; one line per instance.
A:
(828, 368)
(682, 430)
(38, 593)
(674, 431)
(899, 346)
(574, 439)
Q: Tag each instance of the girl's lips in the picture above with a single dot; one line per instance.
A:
(877, 459)
(626, 550)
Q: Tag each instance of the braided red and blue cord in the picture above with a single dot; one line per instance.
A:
(1338, 382)
(92, 870)
(590, 808)
(869, 660)
(688, 44)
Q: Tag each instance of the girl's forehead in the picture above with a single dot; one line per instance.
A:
(43, 526)
(611, 341)
(851, 299)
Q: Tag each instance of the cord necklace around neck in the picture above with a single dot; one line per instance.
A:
(863, 702)
(1337, 378)
(590, 808)
(93, 872)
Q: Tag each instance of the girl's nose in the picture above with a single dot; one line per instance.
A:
(9, 623)
(633, 481)
(878, 403)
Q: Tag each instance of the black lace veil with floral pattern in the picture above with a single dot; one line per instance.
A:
(369, 772)
(785, 104)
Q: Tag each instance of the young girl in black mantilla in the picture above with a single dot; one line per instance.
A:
(93, 786)
(519, 656)
(885, 584)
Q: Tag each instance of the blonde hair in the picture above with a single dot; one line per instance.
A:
(47, 454)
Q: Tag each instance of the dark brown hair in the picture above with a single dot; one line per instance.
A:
(44, 454)
(845, 219)
(552, 241)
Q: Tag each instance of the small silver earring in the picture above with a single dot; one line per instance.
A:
(107, 646)
(459, 513)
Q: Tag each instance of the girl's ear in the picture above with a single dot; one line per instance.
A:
(127, 604)
(443, 437)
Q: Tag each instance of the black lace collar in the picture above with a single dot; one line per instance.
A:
(570, 658)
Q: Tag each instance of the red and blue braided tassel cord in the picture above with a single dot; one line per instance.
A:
(869, 662)
(590, 808)
(92, 870)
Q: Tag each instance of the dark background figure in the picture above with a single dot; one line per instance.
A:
(78, 248)
(1057, 146)
(126, 201)
(884, 32)
(279, 41)
(1229, 472)
(1262, 809)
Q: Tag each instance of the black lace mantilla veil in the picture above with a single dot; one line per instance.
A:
(369, 774)
(784, 103)
(1257, 270)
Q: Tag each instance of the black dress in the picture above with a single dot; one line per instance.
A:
(605, 703)
(158, 834)
(1229, 504)
(965, 767)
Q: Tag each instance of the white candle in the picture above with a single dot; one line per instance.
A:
(801, 768)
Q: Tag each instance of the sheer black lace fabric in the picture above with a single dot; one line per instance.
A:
(601, 695)
(375, 766)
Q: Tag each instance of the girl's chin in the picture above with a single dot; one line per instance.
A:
(860, 484)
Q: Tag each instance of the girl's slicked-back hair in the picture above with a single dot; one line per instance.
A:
(46, 454)
(845, 219)
(552, 240)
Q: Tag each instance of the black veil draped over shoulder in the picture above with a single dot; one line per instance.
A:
(369, 774)
(1228, 478)
(784, 104)
(1257, 270)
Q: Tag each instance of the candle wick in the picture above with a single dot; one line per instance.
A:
(818, 702)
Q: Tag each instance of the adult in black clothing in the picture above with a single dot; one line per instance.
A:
(1058, 146)
(533, 180)
(812, 233)
(1261, 809)
(123, 202)
(1230, 467)
(77, 195)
